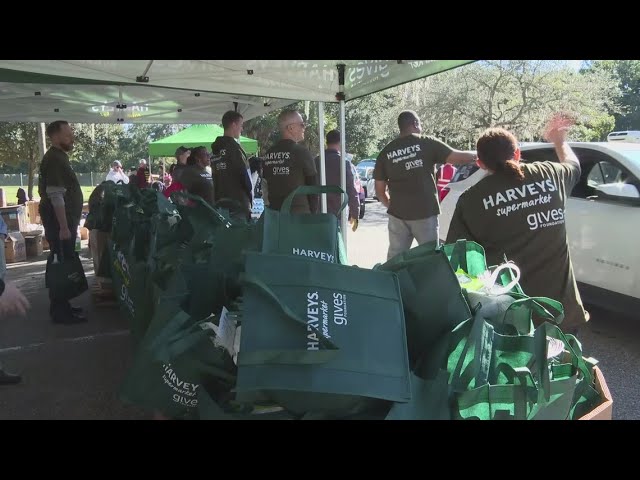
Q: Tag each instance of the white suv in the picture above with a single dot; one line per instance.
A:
(603, 218)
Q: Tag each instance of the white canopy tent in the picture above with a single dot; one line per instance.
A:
(194, 91)
(81, 103)
(316, 80)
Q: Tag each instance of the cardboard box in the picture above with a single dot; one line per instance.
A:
(33, 245)
(33, 213)
(15, 217)
(84, 233)
(97, 245)
(604, 411)
(14, 248)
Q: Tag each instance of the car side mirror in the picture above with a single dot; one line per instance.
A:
(618, 191)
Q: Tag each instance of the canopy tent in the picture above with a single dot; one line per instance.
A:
(316, 80)
(256, 82)
(195, 136)
(94, 103)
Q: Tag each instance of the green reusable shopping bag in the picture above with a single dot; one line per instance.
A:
(494, 376)
(157, 385)
(314, 236)
(429, 400)
(469, 257)
(134, 290)
(322, 338)
(431, 295)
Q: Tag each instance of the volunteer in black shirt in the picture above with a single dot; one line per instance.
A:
(175, 170)
(288, 166)
(518, 210)
(407, 166)
(229, 165)
(195, 178)
(60, 208)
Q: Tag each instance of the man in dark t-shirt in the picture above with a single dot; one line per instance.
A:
(60, 209)
(230, 167)
(288, 166)
(407, 167)
(518, 210)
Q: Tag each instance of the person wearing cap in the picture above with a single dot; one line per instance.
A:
(144, 175)
(116, 174)
(175, 170)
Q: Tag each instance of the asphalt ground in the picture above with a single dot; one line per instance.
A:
(75, 371)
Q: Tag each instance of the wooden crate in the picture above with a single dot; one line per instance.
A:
(102, 293)
(604, 411)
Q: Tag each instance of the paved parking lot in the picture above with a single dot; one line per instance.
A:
(74, 372)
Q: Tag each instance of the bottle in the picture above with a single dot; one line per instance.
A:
(78, 241)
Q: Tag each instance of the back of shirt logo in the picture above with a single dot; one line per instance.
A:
(280, 170)
(411, 164)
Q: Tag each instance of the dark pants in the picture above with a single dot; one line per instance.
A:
(59, 307)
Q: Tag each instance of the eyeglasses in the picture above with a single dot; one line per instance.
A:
(302, 124)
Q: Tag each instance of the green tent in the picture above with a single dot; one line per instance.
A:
(195, 136)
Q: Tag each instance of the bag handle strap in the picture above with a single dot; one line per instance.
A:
(537, 305)
(459, 255)
(311, 190)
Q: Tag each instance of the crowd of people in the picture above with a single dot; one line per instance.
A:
(406, 183)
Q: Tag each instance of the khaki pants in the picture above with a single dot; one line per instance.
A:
(402, 233)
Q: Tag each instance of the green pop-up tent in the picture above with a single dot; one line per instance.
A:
(195, 136)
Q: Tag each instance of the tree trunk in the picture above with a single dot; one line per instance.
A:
(31, 172)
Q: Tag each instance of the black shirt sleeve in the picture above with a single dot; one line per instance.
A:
(458, 228)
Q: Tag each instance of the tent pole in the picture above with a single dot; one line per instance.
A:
(343, 154)
(323, 166)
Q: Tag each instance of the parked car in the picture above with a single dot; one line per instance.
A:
(359, 190)
(365, 173)
(603, 218)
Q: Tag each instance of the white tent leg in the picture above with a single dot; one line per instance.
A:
(343, 172)
(323, 167)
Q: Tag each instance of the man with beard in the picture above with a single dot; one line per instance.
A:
(60, 209)
(230, 167)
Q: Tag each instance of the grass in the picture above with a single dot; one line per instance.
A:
(11, 192)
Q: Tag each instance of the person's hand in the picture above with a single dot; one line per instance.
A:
(64, 234)
(354, 224)
(555, 131)
(13, 301)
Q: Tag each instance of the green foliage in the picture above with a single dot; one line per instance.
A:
(134, 145)
(96, 146)
(627, 74)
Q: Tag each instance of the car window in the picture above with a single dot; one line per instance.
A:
(605, 172)
(464, 171)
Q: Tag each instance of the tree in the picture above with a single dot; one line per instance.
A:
(134, 145)
(19, 144)
(627, 73)
(96, 146)
(515, 94)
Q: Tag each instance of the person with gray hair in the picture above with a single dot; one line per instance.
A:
(288, 165)
(61, 203)
(116, 174)
(407, 166)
